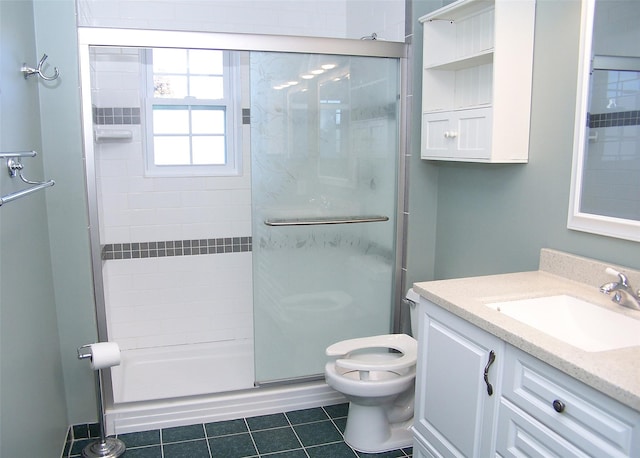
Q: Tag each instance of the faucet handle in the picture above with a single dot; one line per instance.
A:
(612, 271)
(621, 277)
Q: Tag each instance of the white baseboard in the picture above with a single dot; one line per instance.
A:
(143, 416)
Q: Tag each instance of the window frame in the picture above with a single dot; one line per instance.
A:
(230, 103)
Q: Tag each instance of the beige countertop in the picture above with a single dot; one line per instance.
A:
(615, 373)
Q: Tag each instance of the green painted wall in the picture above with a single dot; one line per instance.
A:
(33, 416)
(422, 176)
(496, 218)
(55, 31)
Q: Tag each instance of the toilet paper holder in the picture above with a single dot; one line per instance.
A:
(84, 351)
(104, 447)
(101, 354)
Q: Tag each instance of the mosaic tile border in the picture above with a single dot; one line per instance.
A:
(131, 115)
(621, 118)
(246, 116)
(139, 250)
(116, 115)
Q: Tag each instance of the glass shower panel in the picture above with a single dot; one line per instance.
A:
(324, 147)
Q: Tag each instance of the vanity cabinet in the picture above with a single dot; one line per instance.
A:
(476, 82)
(535, 410)
(455, 406)
(544, 412)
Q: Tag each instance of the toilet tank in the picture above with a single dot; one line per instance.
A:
(413, 299)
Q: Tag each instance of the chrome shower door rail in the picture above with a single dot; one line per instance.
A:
(314, 221)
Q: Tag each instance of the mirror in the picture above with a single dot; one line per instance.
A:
(605, 184)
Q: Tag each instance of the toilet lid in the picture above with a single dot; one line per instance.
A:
(401, 342)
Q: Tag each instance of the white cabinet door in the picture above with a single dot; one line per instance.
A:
(457, 135)
(455, 406)
(435, 141)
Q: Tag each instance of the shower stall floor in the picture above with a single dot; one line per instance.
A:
(309, 433)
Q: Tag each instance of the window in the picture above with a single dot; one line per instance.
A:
(190, 113)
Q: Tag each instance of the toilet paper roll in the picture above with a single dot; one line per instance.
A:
(104, 354)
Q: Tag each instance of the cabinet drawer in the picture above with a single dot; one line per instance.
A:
(597, 424)
(520, 435)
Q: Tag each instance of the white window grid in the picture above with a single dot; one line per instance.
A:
(229, 103)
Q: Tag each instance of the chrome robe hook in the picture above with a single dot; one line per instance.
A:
(28, 71)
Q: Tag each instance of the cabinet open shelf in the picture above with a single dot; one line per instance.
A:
(481, 58)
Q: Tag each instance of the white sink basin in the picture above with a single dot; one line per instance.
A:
(574, 321)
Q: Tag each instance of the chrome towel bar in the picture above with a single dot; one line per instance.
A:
(314, 221)
(15, 169)
(16, 195)
(18, 154)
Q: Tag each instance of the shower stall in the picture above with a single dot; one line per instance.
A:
(234, 266)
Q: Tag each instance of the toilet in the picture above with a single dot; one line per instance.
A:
(377, 376)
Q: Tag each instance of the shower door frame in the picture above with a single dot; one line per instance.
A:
(138, 38)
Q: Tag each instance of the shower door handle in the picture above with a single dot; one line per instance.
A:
(325, 220)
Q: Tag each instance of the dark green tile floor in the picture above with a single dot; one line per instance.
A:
(310, 433)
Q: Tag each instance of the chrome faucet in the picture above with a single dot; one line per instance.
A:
(623, 293)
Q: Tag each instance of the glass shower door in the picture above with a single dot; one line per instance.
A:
(324, 147)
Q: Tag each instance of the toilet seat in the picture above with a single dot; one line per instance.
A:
(401, 342)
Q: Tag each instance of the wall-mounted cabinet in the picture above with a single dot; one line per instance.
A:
(476, 84)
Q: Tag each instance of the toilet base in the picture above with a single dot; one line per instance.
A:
(368, 430)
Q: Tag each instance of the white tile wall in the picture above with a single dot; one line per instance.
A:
(135, 208)
(384, 17)
(164, 301)
(318, 18)
(179, 300)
